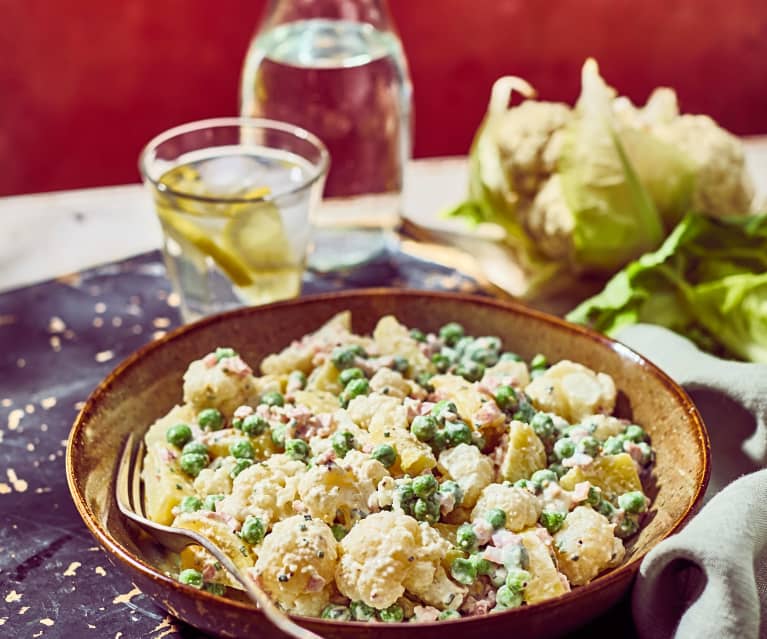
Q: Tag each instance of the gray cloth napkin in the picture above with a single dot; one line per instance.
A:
(710, 579)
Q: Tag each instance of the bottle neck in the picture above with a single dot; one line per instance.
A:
(375, 12)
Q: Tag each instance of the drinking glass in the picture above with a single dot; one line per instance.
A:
(234, 197)
(338, 69)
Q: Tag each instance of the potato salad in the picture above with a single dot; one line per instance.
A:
(398, 476)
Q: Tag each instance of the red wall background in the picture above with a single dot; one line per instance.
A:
(85, 83)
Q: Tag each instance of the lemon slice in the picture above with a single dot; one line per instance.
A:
(187, 231)
(256, 236)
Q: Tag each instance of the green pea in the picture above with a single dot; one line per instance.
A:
(564, 448)
(613, 445)
(338, 613)
(417, 335)
(190, 504)
(385, 454)
(423, 427)
(633, 502)
(297, 380)
(424, 379)
(192, 463)
(457, 433)
(439, 441)
(484, 356)
(348, 374)
(254, 425)
(405, 493)
(496, 518)
(194, 448)
(400, 364)
(525, 411)
(342, 442)
(462, 346)
(516, 557)
(525, 484)
(595, 496)
(626, 527)
(463, 571)
(539, 361)
(392, 614)
(242, 449)
(481, 565)
(588, 446)
(210, 419)
(646, 452)
(214, 588)
(344, 356)
(210, 502)
(278, 435)
(252, 531)
(426, 509)
(558, 469)
(470, 371)
(543, 476)
(506, 598)
(178, 435)
(497, 576)
(191, 577)
(635, 433)
(424, 486)
(506, 396)
(552, 520)
(449, 487)
(606, 508)
(465, 537)
(448, 614)
(240, 465)
(517, 580)
(296, 449)
(451, 333)
(272, 398)
(360, 611)
(508, 356)
(357, 387)
(543, 425)
(339, 531)
(237, 423)
(441, 362)
(224, 353)
(442, 409)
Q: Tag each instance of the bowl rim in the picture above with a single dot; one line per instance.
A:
(603, 582)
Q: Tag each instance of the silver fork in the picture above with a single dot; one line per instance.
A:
(131, 504)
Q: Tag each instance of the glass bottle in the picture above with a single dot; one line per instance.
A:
(337, 68)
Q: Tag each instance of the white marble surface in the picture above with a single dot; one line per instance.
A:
(50, 234)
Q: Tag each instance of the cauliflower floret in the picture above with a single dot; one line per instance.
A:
(344, 489)
(550, 221)
(266, 490)
(225, 384)
(522, 508)
(524, 139)
(364, 409)
(386, 554)
(215, 481)
(723, 185)
(572, 391)
(586, 545)
(471, 469)
(296, 564)
(391, 383)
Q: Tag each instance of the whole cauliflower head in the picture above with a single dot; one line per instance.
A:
(723, 185)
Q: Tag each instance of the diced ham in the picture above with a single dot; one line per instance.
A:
(426, 407)
(577, 434)
(488, 414)
(208, 572)
(413, 407)
(446, 502)
(315, 584)
(505, 537)
(483, 530)
(241, 412)
(494, 554)
(235, 365)
(581, 491)
(425, 613)
(635, 451)
(167, 455)
(210, 360)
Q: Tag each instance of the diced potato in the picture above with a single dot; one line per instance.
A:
(515, 373)
(413, 456)
(324, 378)
(546, 581)
(242, 555)
(467, 399)
(218, 443)
(317, 401)
(392, 338)
(525, 453)
(472, 470)
(614, 474)
(166, 484)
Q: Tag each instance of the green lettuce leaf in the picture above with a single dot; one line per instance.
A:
(707, 281)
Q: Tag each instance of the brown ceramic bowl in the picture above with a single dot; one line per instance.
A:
(148, 384)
